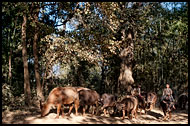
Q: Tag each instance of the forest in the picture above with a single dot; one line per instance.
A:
(109, 47)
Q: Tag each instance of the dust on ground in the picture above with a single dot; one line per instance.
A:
(32, 116)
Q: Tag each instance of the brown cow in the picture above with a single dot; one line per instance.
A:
(129, 104)
(108, 100)
(61, 96)
(88, 97)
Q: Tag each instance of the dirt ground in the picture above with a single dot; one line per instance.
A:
(32, 116)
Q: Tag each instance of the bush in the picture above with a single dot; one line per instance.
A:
(7, 96)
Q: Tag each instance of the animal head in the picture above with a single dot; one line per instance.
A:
(44, 108)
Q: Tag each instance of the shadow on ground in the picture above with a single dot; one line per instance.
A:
(32, 116)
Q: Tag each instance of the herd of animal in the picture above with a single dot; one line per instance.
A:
(83, 97)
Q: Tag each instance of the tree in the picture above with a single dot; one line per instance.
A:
(27, 90)
(35, 50)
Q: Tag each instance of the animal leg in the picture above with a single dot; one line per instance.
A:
(70, 109)
(93, 108)
(58, 110)
(145, 110)
(97, 110)
(151, 106)
(76, 107)
(135, 114)
(165, 116)
(140, 111)
(83, 110)
(63, 111)
(104, 112)
(170, 115)
(123, 114)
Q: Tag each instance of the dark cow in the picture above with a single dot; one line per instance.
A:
(167, 107)
(182, 100)
(60, 96)
(88, 97)
(151, 100)
(107, 100)
(129, 104)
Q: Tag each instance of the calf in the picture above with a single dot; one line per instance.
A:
(128, 104)
(60, 96)
(108, 100)
(167, 107)
(151, 100)
(88, 97)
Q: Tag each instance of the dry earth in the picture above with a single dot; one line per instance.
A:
(32, 116)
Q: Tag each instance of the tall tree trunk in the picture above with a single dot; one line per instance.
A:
(102, 84)
(27, 91)
(127, 56)
(35, 51)
(11, 39)
(10, 73)
(10, 54)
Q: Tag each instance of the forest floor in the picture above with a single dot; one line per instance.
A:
(32, 116)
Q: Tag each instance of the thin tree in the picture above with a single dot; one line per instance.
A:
(27, 91)
(35, 51)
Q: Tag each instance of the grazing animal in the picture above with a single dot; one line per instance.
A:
(61, 96)
(129, 104)
(88, 97)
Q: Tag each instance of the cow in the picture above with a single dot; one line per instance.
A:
(182, 101)
(142, 102)
(88, 97)
(107, 100)
(167, 107)
(151, 100)
(60, 96)
(129, 104)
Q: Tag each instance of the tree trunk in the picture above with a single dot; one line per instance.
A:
(35, 51)
(127, 56)
(27, 91)
(10, 73)
(102, 84)
(10, 54)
